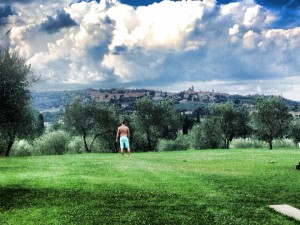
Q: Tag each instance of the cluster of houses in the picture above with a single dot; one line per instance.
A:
(52, 104)
(128, 95)
(125, 97)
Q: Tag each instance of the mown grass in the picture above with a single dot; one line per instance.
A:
(187, 187)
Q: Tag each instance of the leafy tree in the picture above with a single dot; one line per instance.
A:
(16, 114)
(200, 112)
(154, 121)
(294, 131)
(40, 127)
(271, 119)
(22, 127)
(206, 135)
(79, 118)
(92, 119)
(107, 122)
(224, 117)
(242, 123)
(187, 123)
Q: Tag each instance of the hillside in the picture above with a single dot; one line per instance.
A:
(52, 103)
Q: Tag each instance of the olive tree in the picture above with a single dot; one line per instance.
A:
(152, 121)
(206, 135)
(294, 131)
(271, 119)
(16, 114)
(231, 122)
(91, 119)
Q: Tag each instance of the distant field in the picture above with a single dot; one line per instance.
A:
(186, 187)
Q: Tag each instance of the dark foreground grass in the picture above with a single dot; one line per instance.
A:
(188, 187)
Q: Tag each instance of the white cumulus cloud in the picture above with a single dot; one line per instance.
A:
(228, 46)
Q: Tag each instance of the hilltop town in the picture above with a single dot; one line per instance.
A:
(52, 103)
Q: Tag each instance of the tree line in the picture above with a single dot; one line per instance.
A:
(154, 125)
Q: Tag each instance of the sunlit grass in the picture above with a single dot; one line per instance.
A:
(187, 187)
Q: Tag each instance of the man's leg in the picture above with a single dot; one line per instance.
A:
(126, 143)
(122, 146)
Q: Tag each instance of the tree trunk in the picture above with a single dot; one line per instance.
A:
(227, 143)
(149, 142)
(92, 143)
(9, 144)
(270, 144)
(270, 140)
(85, 143)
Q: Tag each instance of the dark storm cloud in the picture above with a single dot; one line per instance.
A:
(87, 1)
(139, 2)
(59, 21)
(119, 49)
(5, 12)
(226, 1)
(18, 1)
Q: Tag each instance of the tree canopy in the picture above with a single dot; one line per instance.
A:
(271, 119)
(90, 119)
(16, 114)
(154, 121)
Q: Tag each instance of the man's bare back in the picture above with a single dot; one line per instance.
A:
(123, 131)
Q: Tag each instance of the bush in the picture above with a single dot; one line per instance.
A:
(248, 143)
(255, 143)
(283, 143)
(180, 143)
(53, 142)
(21, 148)
(75, 146)
(100, 145)
(205, 136)
(138, 142)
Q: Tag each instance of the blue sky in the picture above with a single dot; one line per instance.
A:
(238, 47)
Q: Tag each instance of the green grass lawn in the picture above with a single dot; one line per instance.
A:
(186, 187)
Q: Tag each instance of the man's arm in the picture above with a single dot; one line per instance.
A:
(128, 133)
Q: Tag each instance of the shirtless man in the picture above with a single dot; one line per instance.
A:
(124, 133)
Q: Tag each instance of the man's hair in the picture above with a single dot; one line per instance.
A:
(123, 122)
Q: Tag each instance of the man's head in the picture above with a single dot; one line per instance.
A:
(124, 122)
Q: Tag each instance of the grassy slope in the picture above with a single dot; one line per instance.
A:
(189, 187)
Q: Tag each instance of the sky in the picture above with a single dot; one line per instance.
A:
(231, 46)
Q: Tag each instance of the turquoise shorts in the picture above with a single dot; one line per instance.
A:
(124, 142)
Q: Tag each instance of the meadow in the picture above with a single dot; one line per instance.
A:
(232, 186)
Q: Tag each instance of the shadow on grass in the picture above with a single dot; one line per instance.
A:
(123, 205)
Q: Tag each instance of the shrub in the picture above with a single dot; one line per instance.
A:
(180, 143)
(283, 143)
(255, 143)
(53, 142)
(138, 142)
(75, 146)
(100, 145)
(248, 143)
(21, 148)
(205, 136)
